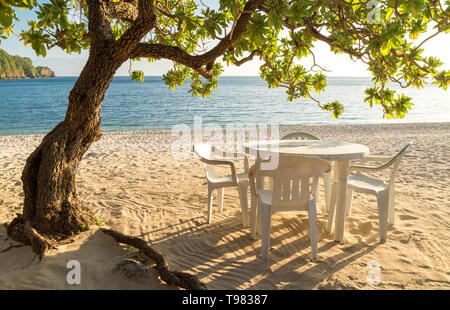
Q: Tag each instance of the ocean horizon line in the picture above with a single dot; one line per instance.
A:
(35, 106)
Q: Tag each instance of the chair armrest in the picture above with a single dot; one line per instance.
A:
(372, 168)
(225, 154)
(361, 167)
(235, 156)
(365, 168)
(375, 158)
(221, 162)
(389, 161)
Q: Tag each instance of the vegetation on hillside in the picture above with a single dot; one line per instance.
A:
(13, 67)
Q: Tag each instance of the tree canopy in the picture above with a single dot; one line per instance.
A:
(281, 33)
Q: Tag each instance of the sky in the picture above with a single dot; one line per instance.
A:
(340, 65)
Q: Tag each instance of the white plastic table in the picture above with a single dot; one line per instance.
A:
(340, 152)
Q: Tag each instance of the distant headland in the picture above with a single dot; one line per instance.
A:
(16, 67)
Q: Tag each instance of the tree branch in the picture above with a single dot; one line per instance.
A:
(250, 57)
(174, 53)
(316, 34)
(200, 63)
(140, 27)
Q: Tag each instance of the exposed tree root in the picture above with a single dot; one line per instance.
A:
(15, 230)
(39, 243)
(22, 231)
(175, 278)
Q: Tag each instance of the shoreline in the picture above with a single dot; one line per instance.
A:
(115, 131)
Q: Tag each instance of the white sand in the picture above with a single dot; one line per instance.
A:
(132, 183)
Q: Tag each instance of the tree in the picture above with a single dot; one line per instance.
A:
(195, 37)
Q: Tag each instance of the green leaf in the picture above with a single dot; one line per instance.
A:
(386, 48)
(389, 13)
(138, 76)
(335, 107)
(6, 16)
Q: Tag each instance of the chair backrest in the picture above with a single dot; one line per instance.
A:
(294, 181)
(300, 136)
(206, 151)
(395, 161)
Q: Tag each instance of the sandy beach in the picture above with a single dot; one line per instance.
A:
(132, 183)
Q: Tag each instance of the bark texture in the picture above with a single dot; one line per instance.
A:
(52, 207)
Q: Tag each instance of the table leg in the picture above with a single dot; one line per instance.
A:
(342, 174)
(259, 185)
(332, 205)
(255, 216)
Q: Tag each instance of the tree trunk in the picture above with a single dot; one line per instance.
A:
(52, 208)
(52, 205)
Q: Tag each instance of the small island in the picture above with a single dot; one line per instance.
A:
(16, 67)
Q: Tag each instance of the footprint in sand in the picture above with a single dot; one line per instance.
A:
(365, 228)
(407, 217)
(406, 239)
(396, 232)
(404, 260)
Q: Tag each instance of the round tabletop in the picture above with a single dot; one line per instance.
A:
(327, 150)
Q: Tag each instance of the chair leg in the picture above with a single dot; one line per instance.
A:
(313, 228)
(210, 204)
(383, 205)
(258, 217)
(243, 189)
(253, 216)
(332, 206)
(327, 186)
(391, 207)
(265, 232)
(220, 192)
(349, 200)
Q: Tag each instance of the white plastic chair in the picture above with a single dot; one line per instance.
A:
(327, 180)
(208, 154)
(294, 187)
(384, 191)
